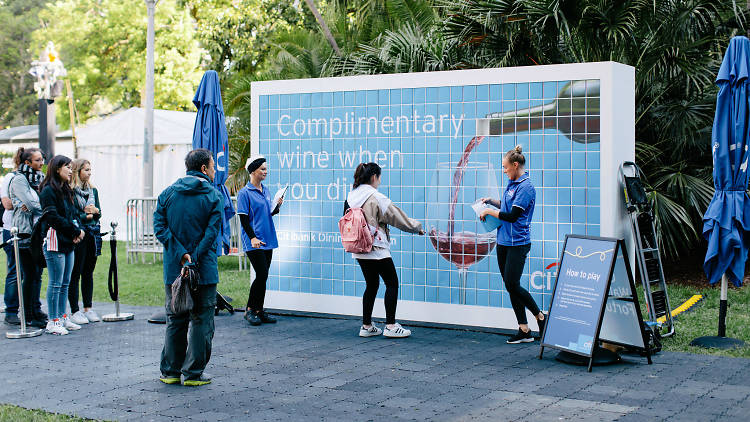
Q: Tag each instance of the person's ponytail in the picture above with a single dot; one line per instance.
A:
(364, 172)
(17, 157)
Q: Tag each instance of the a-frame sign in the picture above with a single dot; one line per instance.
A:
(594, 299)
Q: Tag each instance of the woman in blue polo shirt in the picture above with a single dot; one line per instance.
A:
(258, 235)
(514, 239)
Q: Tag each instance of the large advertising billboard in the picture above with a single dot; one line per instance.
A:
(440, 138)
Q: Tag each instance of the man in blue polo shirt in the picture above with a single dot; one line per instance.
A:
(258, 235)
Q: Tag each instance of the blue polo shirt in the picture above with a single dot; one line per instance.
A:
(256, 204)
(518, 193)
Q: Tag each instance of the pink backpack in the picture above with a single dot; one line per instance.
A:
(355, 232)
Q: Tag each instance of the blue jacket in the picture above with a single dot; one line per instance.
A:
(187, 220)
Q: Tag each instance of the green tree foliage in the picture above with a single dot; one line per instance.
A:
(676, 47)
(239, 34)
(18, 19)
(301, 52)
(103, 46)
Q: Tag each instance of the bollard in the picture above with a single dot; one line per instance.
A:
(112, 282)
(23, 332)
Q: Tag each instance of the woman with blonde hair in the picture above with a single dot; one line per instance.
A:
(515, 211)
(86, 199)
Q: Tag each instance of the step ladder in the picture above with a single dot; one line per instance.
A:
(647, 252)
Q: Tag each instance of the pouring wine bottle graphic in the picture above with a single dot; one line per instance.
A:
(575, 113)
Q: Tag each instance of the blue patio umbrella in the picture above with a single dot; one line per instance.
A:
(726, 223)
(210, 132)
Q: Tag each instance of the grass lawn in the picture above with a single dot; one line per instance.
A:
(14, 413)
(142, 284)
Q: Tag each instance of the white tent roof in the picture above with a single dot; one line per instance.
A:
(126, 128)
(28, 134)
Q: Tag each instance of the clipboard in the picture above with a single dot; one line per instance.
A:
(277, 196)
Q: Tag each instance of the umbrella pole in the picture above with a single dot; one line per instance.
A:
(723, 307)
(721, 341)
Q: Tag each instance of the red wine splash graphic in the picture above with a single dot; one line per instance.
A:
(458, 177)
(463, 248)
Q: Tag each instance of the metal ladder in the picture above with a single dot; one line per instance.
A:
(647, 251)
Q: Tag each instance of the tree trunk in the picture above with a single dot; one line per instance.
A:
(327, 31)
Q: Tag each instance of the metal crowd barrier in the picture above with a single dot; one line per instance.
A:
(142, 241)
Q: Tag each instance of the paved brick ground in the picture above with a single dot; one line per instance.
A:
(319, 369)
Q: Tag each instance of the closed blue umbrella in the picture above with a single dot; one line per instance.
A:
(210, 132)
(726, 223)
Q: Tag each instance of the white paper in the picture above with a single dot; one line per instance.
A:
(277, 197)
(490, 223)
(478, 207)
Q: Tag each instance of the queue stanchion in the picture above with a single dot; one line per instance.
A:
(23, 332)
(112, 282)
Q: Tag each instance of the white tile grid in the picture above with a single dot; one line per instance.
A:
(418, 258)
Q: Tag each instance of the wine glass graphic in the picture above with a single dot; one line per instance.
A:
(452, 225)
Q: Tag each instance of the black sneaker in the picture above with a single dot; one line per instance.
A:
(41, 316)
(252, 318)
(521, 337)
(541, 326)
(12, 319)
(266, 319)
(36, 322)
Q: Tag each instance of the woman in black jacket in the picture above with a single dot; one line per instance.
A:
(62, 233)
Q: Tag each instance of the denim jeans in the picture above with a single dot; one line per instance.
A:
(11, 286)
(59, 268)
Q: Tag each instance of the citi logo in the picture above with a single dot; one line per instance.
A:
(542, 280)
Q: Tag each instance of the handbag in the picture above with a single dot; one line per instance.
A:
(185, 286)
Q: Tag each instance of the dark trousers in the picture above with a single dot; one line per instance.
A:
(11, 286)
(261, 261)
(187, 342)
(83, 270)
(373, 270)
(511, 260)
(32, 283)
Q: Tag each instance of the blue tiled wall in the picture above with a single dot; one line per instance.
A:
(319, 163)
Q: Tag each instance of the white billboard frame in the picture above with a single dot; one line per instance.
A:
(617, 144)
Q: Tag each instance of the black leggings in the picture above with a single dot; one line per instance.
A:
(261, 261)
(83, 269)
(32, 283)
(373, 269)
(511, 260)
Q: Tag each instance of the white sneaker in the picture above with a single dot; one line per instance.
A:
(92, 316)
(56, 328)
(79, 318)
(396, 332)
(369, 332)
(68, 324)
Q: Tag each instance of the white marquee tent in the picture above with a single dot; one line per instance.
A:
(114, 145)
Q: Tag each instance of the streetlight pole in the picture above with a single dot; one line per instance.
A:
(148, 128)
(47, 71)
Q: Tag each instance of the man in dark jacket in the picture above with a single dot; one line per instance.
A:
(187, 221)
